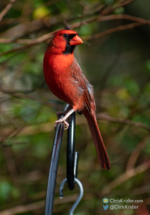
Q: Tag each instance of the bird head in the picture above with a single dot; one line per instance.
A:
(64, 41)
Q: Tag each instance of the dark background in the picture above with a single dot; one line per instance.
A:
(115, 57)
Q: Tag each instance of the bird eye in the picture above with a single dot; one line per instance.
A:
(65, 35)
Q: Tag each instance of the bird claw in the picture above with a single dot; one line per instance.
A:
(64, 121)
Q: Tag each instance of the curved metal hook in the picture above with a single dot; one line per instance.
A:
(79, 197)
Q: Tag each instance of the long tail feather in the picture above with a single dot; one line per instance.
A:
(98, 141)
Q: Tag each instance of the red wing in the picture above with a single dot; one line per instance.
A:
(79, 77)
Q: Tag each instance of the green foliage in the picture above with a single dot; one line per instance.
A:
(8, 191)
(118, 67)
(5, 188)
(85, 30)
(147, 149)
(147, 66)
(27, 110)
(119, 10)
(40, 12)
(108, 1)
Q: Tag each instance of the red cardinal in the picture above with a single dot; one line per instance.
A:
(66, 81)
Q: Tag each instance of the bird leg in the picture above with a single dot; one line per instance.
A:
(64, 119)
(61, 113)
(64, 112)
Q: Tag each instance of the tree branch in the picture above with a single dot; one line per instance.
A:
(40, 204)
(123, 121)
(126, 176)
(77, 24)
(135, 154)
(6, 9)
(31, 42)
(24, 96)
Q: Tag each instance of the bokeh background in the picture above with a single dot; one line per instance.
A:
(115, 57)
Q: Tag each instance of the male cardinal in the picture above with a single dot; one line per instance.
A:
(66, 81)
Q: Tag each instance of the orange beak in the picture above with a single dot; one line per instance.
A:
(76, 40)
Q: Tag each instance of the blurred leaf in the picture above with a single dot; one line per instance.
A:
(86, 30)
(132, 86)
(147, 88)
(5, 189)
(147, 66)
(40, 12)
(27, 110)
(122, 94)
(147, 148)
(141, 118)
(119, 10)
(116, 80)
(108, 1)
(15, 193)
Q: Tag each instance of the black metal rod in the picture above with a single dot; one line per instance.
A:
(72, 160)
(71, 152)
(53, 170)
